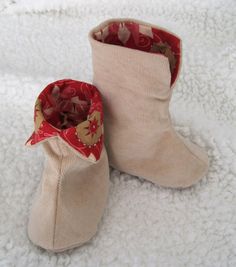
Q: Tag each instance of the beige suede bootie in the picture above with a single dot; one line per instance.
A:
(135, 68)
(72, 194)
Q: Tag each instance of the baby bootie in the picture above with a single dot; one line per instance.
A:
(135, 67)
(71, 197)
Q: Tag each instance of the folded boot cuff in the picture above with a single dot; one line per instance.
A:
(72, 111)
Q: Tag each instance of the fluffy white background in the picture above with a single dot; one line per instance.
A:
(144, 225)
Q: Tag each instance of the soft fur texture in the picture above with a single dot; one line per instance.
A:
(144, 225)
(136, 102)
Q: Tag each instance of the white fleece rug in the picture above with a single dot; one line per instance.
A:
(144, 225)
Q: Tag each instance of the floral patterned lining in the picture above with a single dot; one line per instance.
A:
(73, 111)
(145, 38)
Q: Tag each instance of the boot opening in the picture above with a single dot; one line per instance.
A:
(65, 105)
(135, 35)
(71, 110)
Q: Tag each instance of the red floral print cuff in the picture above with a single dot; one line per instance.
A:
(143, 37)
(71, 110)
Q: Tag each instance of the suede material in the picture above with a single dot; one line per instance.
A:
(70, 200)
(140, 139)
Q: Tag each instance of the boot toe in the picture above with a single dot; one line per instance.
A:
(198, 165)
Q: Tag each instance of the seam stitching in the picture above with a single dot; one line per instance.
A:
(57, 192)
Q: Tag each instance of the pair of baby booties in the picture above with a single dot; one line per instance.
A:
(135, 66)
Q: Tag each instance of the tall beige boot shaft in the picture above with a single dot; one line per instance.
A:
(71, 197)
(135, 67)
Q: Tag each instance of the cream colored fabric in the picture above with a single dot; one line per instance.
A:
(70, 199)
(140, 139)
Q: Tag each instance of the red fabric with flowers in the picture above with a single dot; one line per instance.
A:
(145, 38)
(71, 110)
